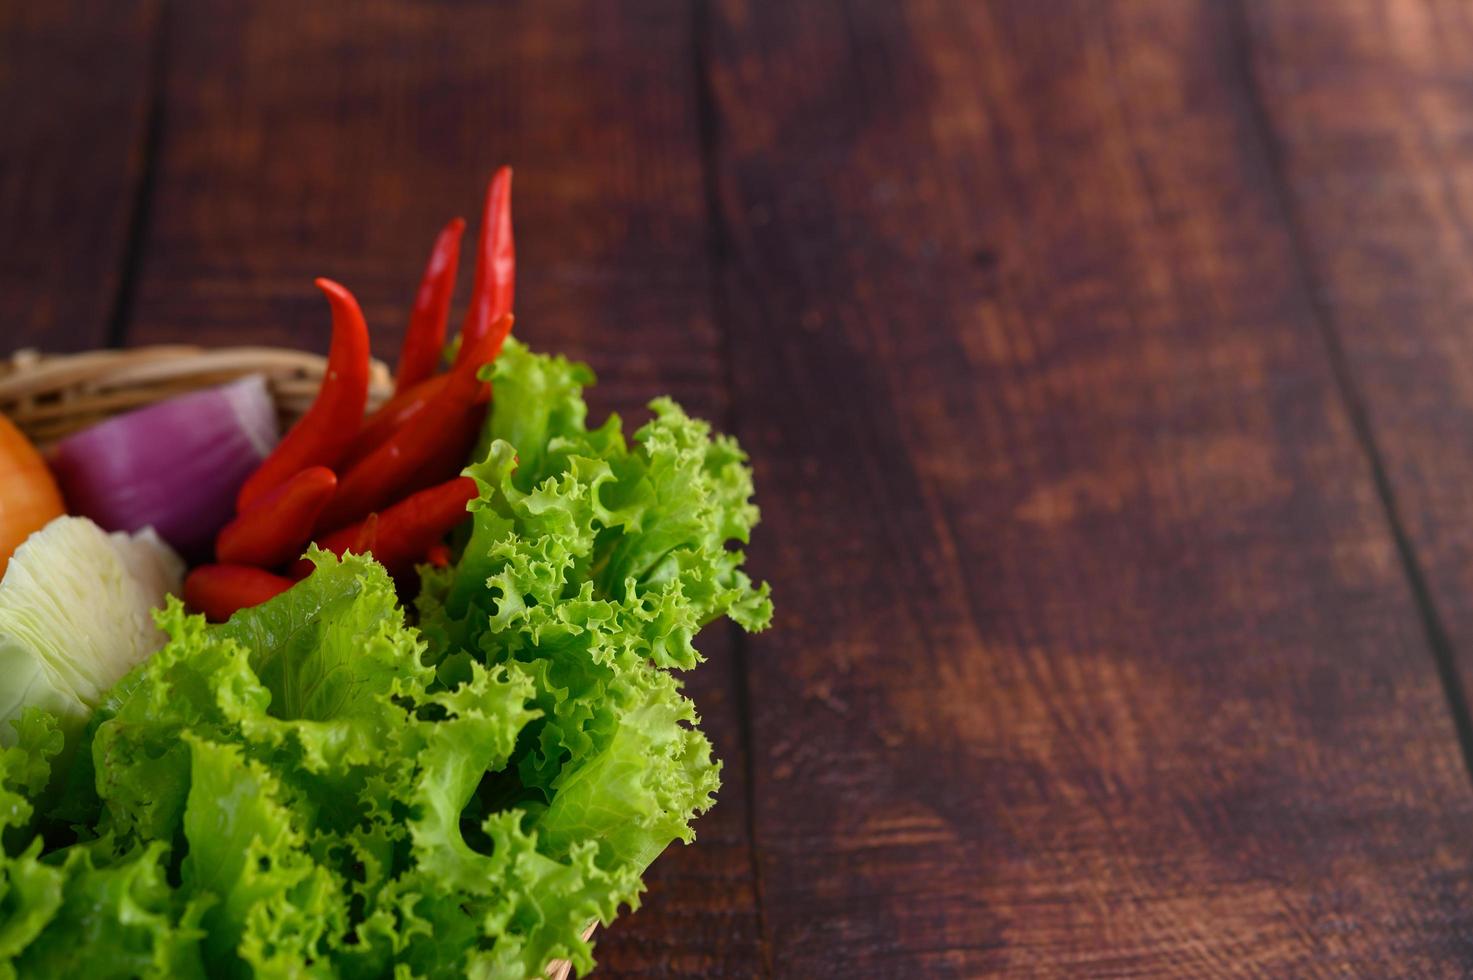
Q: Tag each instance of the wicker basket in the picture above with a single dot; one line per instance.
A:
(50, 396)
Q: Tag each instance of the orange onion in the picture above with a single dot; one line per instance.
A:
(29, 497)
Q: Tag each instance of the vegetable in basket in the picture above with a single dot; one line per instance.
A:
(330, 784)
(174, 466)
(76, 610)
(333, 473)
(323, 434)
(29, 497)
(424, 341)
(335, 790)
(276, 528)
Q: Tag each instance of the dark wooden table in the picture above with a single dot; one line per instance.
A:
(1108, 370)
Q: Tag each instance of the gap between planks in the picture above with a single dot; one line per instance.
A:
(1354, 404)
(718, 239)
(140, 216)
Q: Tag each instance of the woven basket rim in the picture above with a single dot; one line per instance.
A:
(50, 396)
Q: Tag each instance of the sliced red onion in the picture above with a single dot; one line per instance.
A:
(175, 465)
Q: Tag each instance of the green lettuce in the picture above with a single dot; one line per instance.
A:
(323, 787)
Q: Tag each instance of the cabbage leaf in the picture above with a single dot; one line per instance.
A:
(76, 613)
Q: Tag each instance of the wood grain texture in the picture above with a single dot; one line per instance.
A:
(75, 78)
(1094, 655)
(336, 138)
(1071, 341)
(1371, 111)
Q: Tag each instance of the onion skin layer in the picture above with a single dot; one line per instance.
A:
(175, 466)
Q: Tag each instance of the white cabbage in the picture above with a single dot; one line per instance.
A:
(76, 615)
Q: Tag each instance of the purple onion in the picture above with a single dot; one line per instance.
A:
(175, 465)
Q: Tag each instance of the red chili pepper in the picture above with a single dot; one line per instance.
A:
(363, 542)
(219, 590)
(459, 441)
(424, 341)
(275, 528)
(496, 269)
(406, 532)
(391, 416)
(384, 474)
(323, 434)
(438, 555)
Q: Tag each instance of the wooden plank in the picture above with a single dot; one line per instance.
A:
(1372, 119)
(1094, 656)
(74, 97)
(336, 138)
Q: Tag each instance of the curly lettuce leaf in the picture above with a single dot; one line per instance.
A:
(118, 918)
(30, 891)
(321, 788)
(88, 909)
(592, 564)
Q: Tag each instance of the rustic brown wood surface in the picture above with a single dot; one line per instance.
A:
(1099, 658)
(1105, 367)
(1373, 134)
(75, 79)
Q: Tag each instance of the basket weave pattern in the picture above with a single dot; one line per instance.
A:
(50, 396)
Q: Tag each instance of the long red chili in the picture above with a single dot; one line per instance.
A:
(276, 528)
(407, 531)
(385, 473)
(324, 433)
(219, 590)
(460, 438)
(496, 267)
(424, 341)
(391, 416)
(395, 413)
